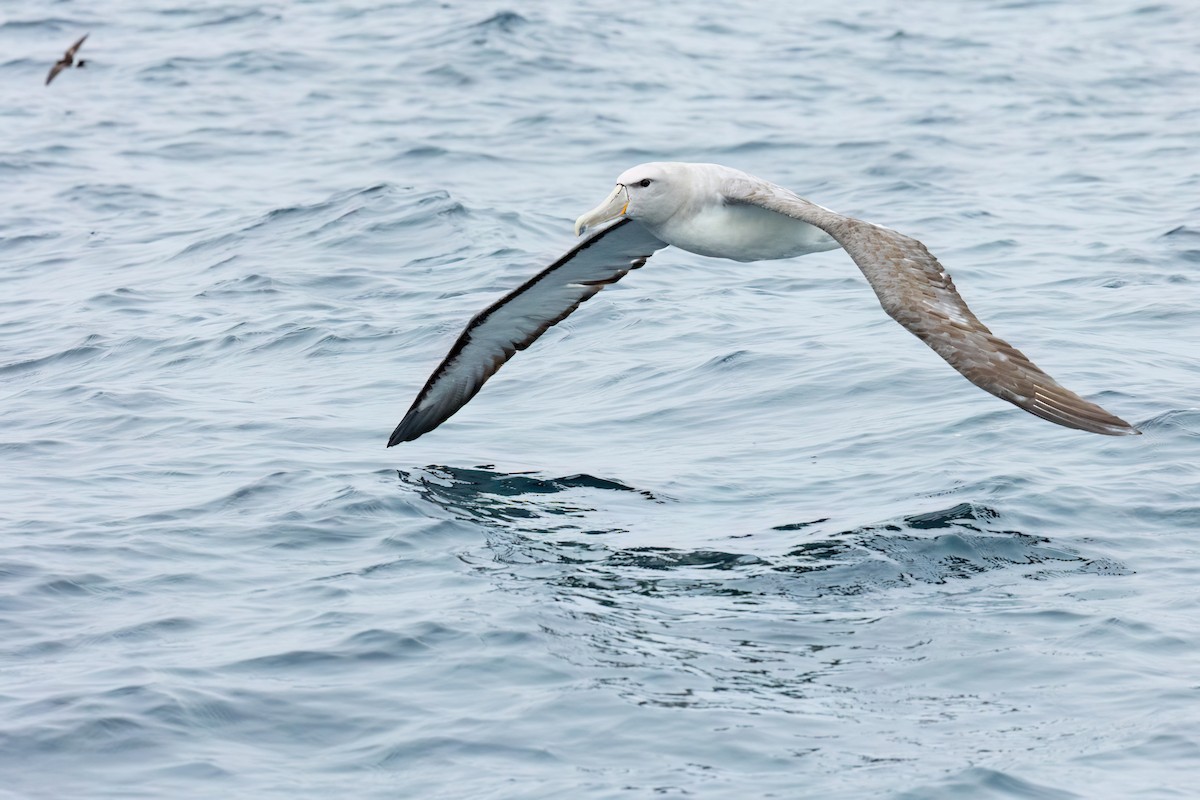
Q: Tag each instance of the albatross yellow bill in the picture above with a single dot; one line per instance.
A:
(613, 206)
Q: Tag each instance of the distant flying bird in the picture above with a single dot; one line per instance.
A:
(67, 60)
(721, 212)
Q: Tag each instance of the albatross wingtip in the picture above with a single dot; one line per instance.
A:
(406, 431)
(1118, 427)
(1115, 426)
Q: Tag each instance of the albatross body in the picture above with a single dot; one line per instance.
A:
(724, 213)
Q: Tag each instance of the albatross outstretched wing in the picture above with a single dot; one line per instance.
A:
(516, 320)
(916, 292)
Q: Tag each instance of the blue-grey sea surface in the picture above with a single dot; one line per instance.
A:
(728, 531)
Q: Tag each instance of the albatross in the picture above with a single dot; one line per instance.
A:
(722, 212)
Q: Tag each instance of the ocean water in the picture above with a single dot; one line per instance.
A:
(728, 531)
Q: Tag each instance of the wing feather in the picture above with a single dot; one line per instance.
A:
(916, 291)
(516, 320)
(70, 54)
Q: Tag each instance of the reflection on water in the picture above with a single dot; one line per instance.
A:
(801, 635)
(483, 493)
(553, 520)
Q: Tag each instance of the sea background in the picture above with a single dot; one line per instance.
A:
(728, 531)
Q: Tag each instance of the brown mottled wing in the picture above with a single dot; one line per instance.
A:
(915, 290)
(516, 320)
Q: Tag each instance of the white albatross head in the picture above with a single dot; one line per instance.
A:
(650, 193)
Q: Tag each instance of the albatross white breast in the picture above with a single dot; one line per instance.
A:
(722, 212)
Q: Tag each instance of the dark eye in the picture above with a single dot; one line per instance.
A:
(644, 182)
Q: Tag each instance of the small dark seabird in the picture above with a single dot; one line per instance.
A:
(67, 60)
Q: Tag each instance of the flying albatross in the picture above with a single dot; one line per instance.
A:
(718, 211)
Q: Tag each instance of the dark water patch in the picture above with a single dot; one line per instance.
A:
(483, 493)
(502, 21)
(952, 556)
(459, 155)
(155, 630)
(730, 362)
(414, 212)
(48, 23)
(196, 151)
(798, 526)
(447, 750)
(219, 242)
(1144, 636)
(448, 75)
(955, 514)
(276, 64)
(125, 300)
(968, 540)
(119, 197)
(664, 558)
(1182, 750)
(247, 284)
(1184, 232)
(136, 401)
(976, 544)
(1185, 243)
(994, 247)
(756, 146)
(986, 784)
(1144, 280)
(76, 585)
(103, 734)
(301, 337)
(72, 357)
(356, 218)
(377, 643)
(23, 63)
(303, 661)
(218, 17)
(331, 346)
(1093, 566)
(1078, 177)
(251, 494)
(927, 40)
(337, 201)
(191, 772)
(1185, 420)
(368, 646)
(19, 241)
(17, 570)
(256, 133)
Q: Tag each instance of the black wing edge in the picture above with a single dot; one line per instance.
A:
(416, 424)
